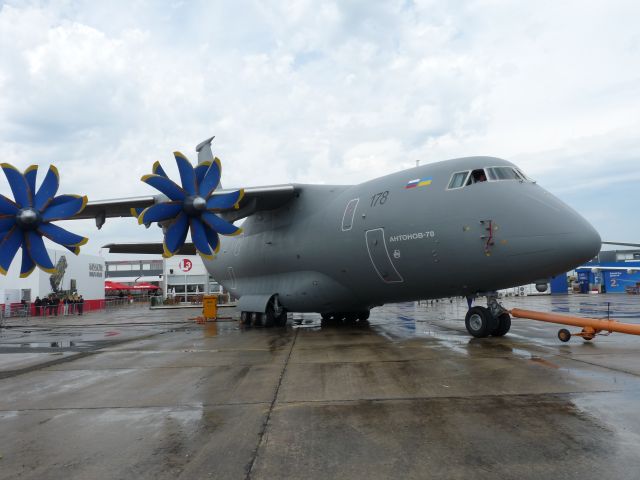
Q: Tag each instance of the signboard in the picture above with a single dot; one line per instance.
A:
(185, 265)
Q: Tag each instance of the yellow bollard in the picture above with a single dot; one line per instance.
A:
(210, 307)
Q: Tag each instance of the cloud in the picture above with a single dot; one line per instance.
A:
(321, 92)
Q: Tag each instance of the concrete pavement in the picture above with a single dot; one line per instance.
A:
(410, 395)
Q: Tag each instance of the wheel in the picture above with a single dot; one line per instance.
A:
(281, 320)
(269, 317)
(504, 324)
(479, 322)
(326, 316)
(256, 319)
(363, 316)
(350, 318)
(245, 318)
(564, 335)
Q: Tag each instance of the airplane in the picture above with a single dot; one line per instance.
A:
(462, 227)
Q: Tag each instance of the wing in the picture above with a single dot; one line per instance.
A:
(623, 244)
(154, 248)
(255, 199)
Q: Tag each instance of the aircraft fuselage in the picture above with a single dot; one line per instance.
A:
(402, 237)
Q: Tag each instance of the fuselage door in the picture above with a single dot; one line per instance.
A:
(349, 213)
(380, 258)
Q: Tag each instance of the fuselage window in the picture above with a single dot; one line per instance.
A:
(458, 180)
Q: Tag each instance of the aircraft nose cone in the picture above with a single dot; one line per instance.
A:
(586, 243)
(577, 241)
(552, 237)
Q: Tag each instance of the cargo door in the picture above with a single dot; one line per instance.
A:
(380, 258)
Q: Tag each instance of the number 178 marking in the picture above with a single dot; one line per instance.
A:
(379, 198)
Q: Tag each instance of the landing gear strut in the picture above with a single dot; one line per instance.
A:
(491, 320)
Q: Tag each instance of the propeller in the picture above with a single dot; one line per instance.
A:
(28, 218)
(191, 206)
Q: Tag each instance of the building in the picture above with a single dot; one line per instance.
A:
(612, 271)
(80, 274)
(181, 276)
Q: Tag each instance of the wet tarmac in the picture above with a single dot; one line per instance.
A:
(151, 394)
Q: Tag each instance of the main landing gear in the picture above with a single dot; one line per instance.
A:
(491, 320)
(275, 316)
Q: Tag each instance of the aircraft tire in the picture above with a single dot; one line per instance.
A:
(479, 322)
(350, 318)
(363, 316)
(245, 318)
(281, 320)
(256, 319)
(504, 324)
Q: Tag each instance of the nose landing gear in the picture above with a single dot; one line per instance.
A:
(491, 320)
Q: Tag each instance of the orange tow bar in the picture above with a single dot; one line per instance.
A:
(590, 326)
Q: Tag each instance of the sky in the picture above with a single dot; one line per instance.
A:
(324, 92)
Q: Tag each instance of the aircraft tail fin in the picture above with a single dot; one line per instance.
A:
(205, 154)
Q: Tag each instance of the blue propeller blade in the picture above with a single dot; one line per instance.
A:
(220, 225)
(176, 234)
(7, 223)
(160, 212)
(166, 186)
(9, 247)
(64, 206)
(211, 179)
(199, 237)
(7, 207)
(18, 184)
(213, 239)
(187, 175)
(30, 175)
(38, 252)
(158, 170)
(48, 189)
(224, 200)
(61, 236)
(201, 170)
(28, 265)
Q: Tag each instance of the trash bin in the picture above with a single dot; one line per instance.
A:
(210, 306)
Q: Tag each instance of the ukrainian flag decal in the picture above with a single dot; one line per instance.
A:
(418, 182)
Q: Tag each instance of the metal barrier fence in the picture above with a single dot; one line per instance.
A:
(30, 310)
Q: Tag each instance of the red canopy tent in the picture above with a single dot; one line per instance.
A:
(145, 286)
(109, 285)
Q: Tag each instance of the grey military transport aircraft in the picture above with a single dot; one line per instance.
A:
(461, 227)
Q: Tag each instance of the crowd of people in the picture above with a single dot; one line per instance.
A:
(53, 305)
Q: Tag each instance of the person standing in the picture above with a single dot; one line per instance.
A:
(45, 306)
(80, 305)
(65, 305)
(38, 304)
(56, 305)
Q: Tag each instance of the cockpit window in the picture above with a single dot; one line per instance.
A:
(458, 179)
(493, 174)
(503, 173)
(477, 176)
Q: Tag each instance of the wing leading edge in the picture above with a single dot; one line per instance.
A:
(255, 199)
